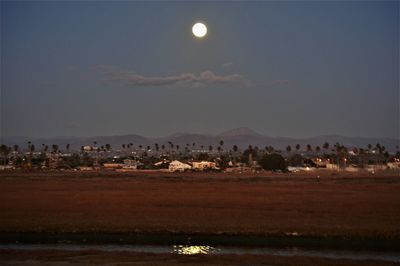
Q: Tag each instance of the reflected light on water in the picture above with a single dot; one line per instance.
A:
(193, 250)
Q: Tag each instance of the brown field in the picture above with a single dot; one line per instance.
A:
(338, 205)
(344, 205)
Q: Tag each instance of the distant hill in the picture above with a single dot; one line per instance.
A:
(242, 137)
(241, 131)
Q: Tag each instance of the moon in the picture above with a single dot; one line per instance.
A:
(199, 30)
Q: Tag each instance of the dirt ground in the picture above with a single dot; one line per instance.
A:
(332, 204)
(63, 258)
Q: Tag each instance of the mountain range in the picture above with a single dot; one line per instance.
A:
(242, 137)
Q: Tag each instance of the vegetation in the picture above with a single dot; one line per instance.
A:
(273, 162)
(66, 157)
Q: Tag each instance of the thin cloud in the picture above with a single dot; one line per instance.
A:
(191, 80)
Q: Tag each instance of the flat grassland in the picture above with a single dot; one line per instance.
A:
(338, 205)
(318, 204)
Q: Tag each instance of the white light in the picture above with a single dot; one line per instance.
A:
(193, 250)
(199, 30)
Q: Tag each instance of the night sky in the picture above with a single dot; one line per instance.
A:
(296, 69)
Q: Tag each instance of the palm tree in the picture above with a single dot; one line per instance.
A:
(131, 147)
(30, 154)
(54, 156)
(108, 147)
(210, 148)
(235, 148)
(4, 150)
(250, 154)
(317, 149)
(380, 149)
(16, 151)
(355, 150)
(297, 147)
(54, 148)
(289, 148)
(221, 143)
(325, 146)
(270, 149)
(67, 147)
(369, 147)
(31, 150)
(96, 153)
(309, 149)
(361, 155)
(29, 146)
(44, 151)
(339, 149)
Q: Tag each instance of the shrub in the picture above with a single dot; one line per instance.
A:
(273, 162)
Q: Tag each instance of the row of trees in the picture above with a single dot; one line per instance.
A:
(171, 146)
(98, 155)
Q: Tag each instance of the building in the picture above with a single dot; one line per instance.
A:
(163, 164)
(331, 166)
(87, 148)
(177, 166)
(352, 168)
(130, 164)
(204, 165)
(113, 165)
(394, 165)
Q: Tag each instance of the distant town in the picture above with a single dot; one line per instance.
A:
(193, 157)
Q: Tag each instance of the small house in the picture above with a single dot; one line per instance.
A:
(177, 166)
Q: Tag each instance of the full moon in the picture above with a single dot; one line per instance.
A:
(199, 30)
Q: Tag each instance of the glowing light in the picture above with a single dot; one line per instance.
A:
(192, 250)
(199, 30)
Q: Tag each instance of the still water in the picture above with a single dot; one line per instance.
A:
(209, 250)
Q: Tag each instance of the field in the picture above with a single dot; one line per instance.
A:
(149, 202)
(320, 204)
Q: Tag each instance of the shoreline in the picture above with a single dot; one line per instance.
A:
(90, 257)
(198, 239)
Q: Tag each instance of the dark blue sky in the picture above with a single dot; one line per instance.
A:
(294, 69)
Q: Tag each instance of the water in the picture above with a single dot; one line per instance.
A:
(209, 250)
